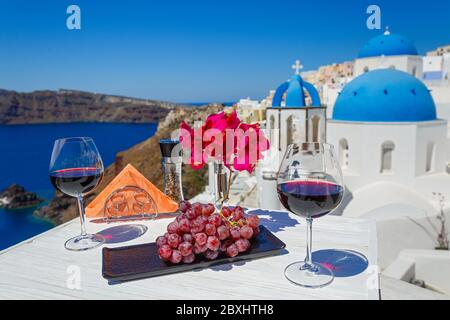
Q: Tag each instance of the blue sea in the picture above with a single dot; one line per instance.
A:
(25, 156)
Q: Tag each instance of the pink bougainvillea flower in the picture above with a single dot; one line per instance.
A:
(250, 143)
(225, 138)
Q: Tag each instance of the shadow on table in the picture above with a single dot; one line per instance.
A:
(343, 263)
(277, 221)
(123, 233)
(229, 266)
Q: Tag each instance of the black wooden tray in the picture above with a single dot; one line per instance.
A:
(142, 261)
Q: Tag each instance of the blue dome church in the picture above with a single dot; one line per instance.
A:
(296, 113)
(389, 51)
(388, 137)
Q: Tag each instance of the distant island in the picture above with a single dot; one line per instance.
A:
(16, 197)
(64, 106)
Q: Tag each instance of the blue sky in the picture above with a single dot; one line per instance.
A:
(190, 51)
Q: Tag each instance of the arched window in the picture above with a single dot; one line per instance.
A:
(289, 130)
(366, 69)
(315, 128)
(293, 130)
(392, 67)
(387, 150)
(431, 151)
(343, 153)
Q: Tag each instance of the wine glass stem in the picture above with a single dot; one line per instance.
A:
(308, 258)
(82, 218)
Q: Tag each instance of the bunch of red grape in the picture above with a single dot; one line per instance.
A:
(199, 230)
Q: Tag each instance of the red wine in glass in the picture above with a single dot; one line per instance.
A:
(309, 198)
(310, 185)
(76, 181)
(76, 169)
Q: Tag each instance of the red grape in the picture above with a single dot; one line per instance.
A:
(188, 237)
(176, 257)
(184, 205)
(208, 210)
(185, 248)
(189, 259)
(225, 244)
(172, 227)
(203, 219)
(161, 240)
(253, 221)
(174, 240)
(190, 214)
(183, 225)
(235, 233)
(200, 238)
(223, 232)
(199, 248)
(242, 245)
(213, 243)
(232, 251)
(166, 235)
(215, 219)
(246, 232)
(198, 208)
(197, 226)
(210, 229)
(238, 213)
(165, 252)
(226, 212)
(211, 255)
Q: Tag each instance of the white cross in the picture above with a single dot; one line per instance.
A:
(297, 66)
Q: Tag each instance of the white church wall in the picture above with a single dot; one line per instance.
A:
(365, 141)
(441, 97)
(431, 147)
(409, 64)
(440, 94)
(330, 96)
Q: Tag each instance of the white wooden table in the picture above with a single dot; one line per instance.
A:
(41, 268)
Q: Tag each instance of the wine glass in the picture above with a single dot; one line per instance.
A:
(309, 184)
(76, 169)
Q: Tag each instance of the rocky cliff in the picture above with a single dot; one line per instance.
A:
(145, 157)
(77, 106)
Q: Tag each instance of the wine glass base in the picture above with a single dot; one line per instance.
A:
(309, 276)
(84, 242)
